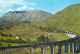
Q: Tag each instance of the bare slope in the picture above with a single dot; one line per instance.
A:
(19, 16)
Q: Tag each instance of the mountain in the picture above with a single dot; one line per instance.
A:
(12, 12)
(66, 19)
(19, 16)
(36, 15)
(13, 18)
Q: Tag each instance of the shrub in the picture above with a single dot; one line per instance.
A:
(41, 39)
(10, 35)
(0, 45)
(8, 40)
(9, 45)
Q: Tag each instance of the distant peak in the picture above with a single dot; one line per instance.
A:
(12, 12)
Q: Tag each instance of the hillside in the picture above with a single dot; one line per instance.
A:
(67, 19)
(13, 18)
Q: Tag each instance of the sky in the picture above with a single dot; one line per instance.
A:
(51, 6)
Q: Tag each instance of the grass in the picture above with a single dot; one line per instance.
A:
(13, 38)
(33, 32)
(67, 19)
(4, 44)
(12, 44)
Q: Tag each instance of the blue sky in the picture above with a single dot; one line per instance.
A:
(51, 6)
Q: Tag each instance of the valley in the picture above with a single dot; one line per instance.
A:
(30, 25)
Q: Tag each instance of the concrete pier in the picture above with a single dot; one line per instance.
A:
(53, 49)
(66, 48)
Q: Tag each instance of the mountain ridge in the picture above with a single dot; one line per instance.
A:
(26, 15)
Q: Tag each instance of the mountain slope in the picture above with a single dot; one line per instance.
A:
(36, 15)
(67, 19)
(13, 18)
(19, 16)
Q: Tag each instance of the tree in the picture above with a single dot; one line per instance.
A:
(41, 39)
(0, 45)
(34, 42)
(47, 39)
(6, 35)
(0, 33)
(8, 40)
(9, 45)
(10, 35)
(20, 39)
(2, 40)
(29, 41)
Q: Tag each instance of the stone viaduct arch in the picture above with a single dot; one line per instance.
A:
(71, 45)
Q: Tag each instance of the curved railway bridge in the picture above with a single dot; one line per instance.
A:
(71, 45)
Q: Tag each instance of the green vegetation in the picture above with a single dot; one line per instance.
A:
(67, 19)
(16, 18)
(4, 44)
(12, 41)
(43, 39)
(47, 30)
(0, 45)
(9, 45)
(6, 35)
(32, 32)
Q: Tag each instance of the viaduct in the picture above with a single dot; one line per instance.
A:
(71, 45)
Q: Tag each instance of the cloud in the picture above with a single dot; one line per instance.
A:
(10, 10)
(18, 9)
(22, 8)
(9, 5)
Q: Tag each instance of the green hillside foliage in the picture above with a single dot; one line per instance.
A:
(32, 32)
(13, 18)
(52, 27)
(67, 19)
